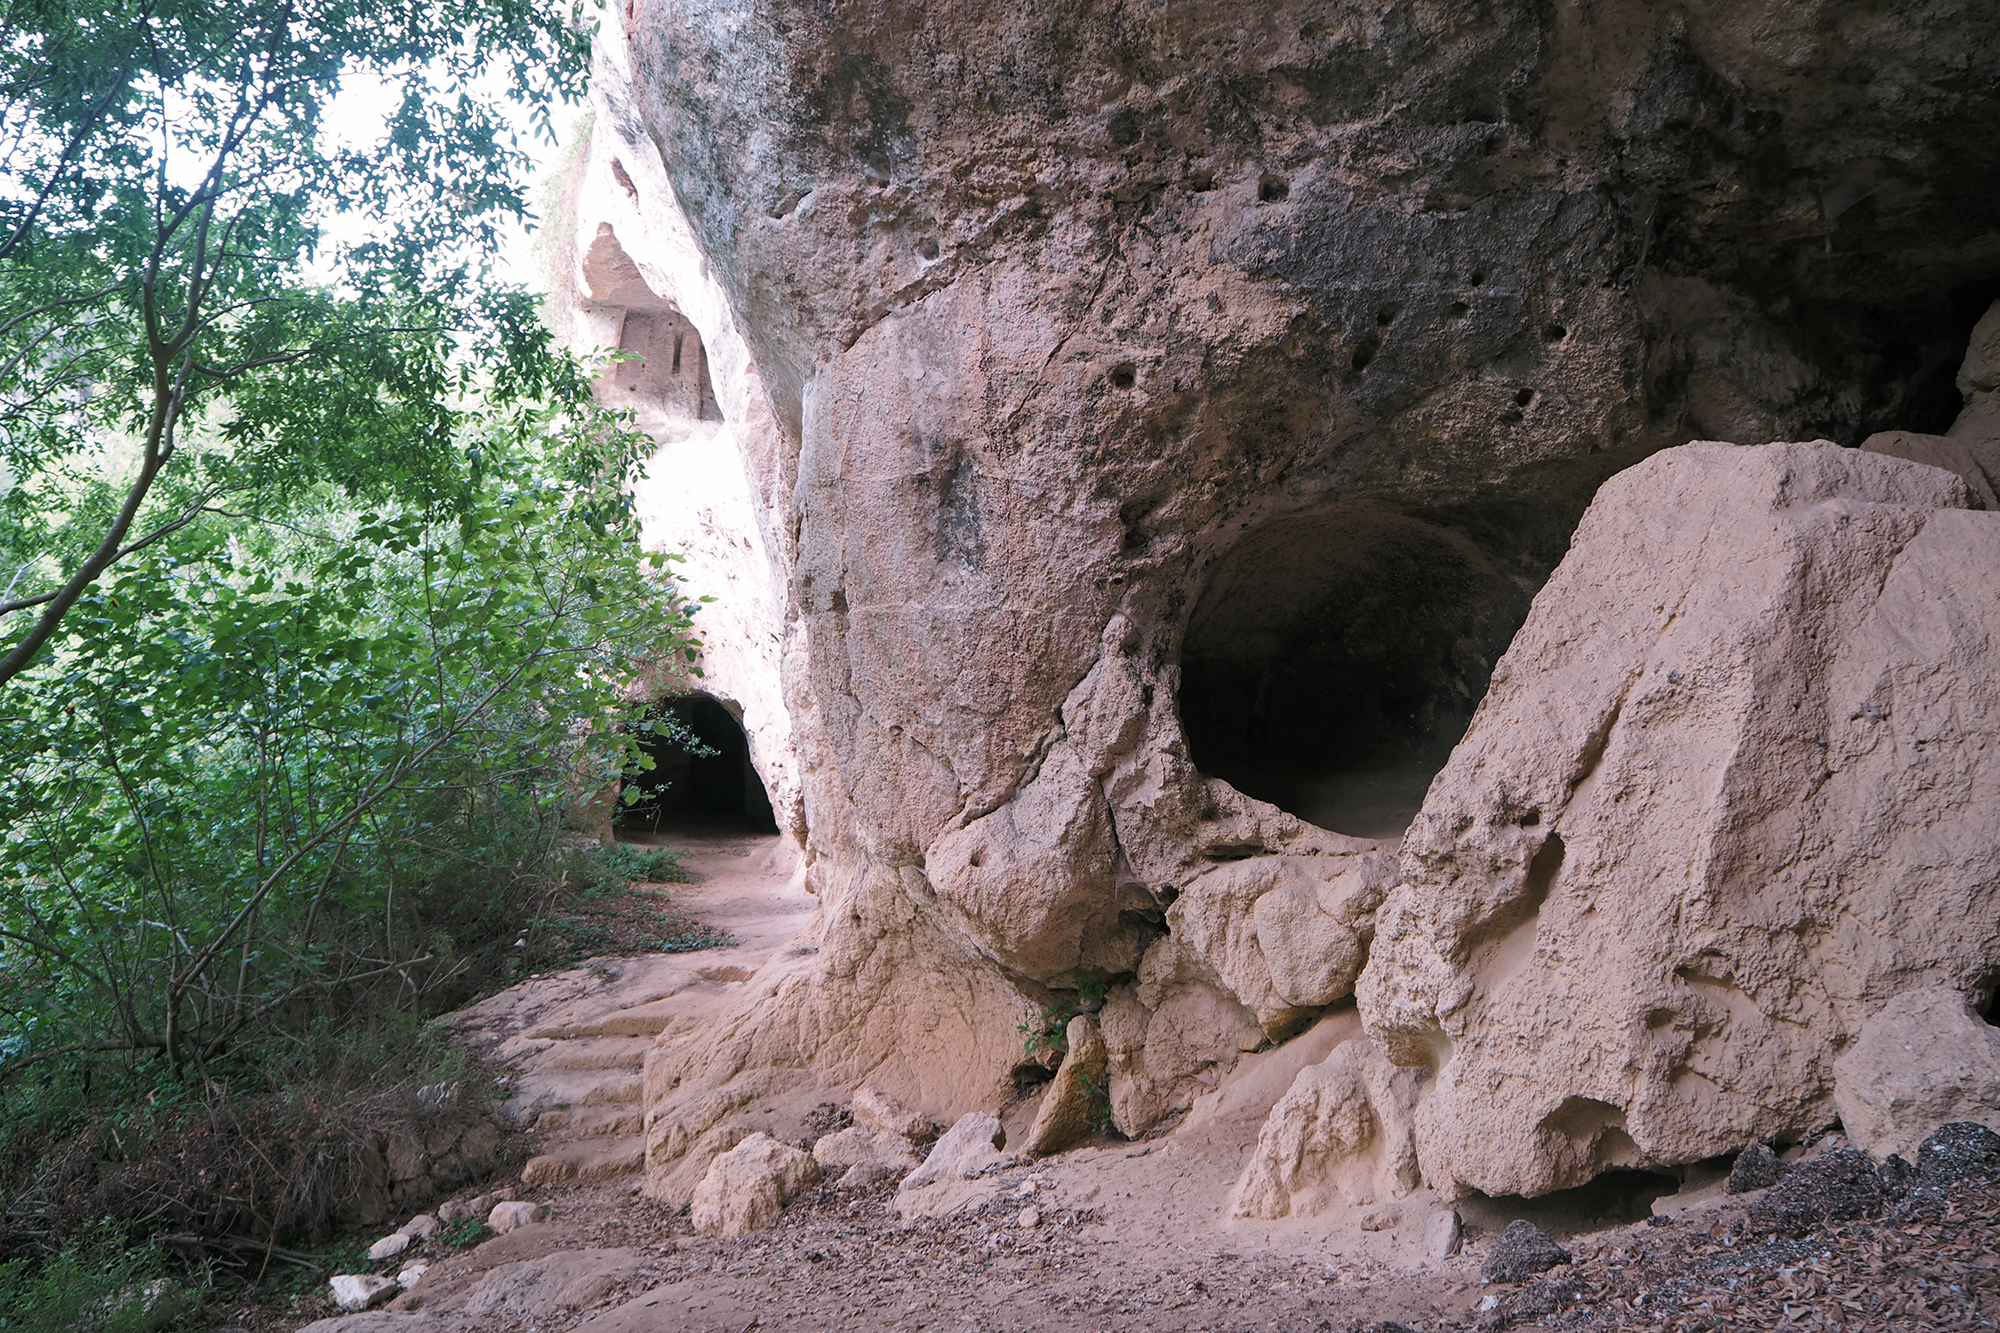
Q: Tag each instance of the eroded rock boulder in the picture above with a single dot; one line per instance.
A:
(361, 1291)
(953, 1174)
(882, 1113)
(1730, 792)
(865, 1155)
(513, 1213)
(1069, 1104)
(1018, 317)
(1924, 1059)
(1285, 935)
(1345, 1130)
(746, 1187)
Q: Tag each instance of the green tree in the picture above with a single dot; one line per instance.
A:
(246, 771)
(165, 348)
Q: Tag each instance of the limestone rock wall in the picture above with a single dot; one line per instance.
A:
(1048, 334)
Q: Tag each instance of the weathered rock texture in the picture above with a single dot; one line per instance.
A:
(1051, 336)
(746, 1187)
(1924, 1059)
(1071, 1103)
(1732, 790)
(1344, 1130)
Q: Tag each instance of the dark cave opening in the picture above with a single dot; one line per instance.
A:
(1335, 658)
(717, 789)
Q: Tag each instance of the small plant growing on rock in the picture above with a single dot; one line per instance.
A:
(1045, 1032)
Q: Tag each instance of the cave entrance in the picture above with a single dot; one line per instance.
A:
(685, 789)
(1335, 658)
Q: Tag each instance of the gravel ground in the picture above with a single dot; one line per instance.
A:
(840, 1259)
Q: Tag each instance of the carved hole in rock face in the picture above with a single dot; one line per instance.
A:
(664, 374)
(717, 790)
(1125, 376)
(1334, 658)
(1273, 189)
(1364, 352)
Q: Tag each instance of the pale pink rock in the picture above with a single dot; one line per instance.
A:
(1924, 1059)
(746, 1187)
(884, 1114)
(515, 1213)
(1731, 790)
(1344, 1132)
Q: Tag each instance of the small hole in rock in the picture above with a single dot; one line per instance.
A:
(1478, 279)
(1524, 397)
(1459, 309)
(1364, 352)
(1201, 182)
(928, 248)
(1273, 189)
(1124, 377)
(1387, 315)
(1554, 333)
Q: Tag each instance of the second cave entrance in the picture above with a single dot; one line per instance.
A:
(719, 789)
(1334, 658)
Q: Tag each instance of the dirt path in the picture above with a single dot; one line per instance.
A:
(1110, 1236)
(573, 1044)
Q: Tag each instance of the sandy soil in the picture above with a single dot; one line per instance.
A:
(1113, 1235)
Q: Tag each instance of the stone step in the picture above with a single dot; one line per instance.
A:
(641, 1020)
(587, 1159)
(577, 1122)
(596, 1053)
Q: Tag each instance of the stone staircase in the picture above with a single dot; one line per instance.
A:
(572, 1045)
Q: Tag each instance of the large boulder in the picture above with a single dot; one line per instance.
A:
(1924, 1059)
(746, 1187)
(1731, 791)
(1070, 1105)
(954, 1174)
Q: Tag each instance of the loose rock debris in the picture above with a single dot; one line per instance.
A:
(841, 1260)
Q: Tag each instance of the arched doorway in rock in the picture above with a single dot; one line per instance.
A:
(715, 787)
(1334, 658)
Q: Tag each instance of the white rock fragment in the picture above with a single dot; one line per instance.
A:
(516, 1213)
(421, 1227)
(388, 1247)
(1444, 1233)
(360, 1291)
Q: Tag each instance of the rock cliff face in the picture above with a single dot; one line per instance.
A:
(1153, 423)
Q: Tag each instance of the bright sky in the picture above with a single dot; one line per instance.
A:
(359, 118)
